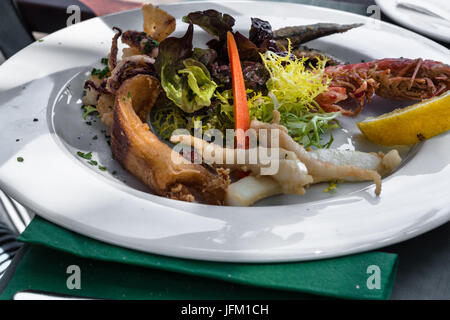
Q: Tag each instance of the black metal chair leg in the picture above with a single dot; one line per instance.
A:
(8, 247)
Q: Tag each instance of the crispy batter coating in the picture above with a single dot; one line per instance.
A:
(158, 24)
(139, 151)
(105, 106)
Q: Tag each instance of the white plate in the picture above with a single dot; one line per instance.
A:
(433, 27)
(44, 81)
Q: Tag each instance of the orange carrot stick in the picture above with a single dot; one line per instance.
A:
(241, 112)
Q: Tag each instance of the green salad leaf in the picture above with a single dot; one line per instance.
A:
(172, 52)
(172, 85)
(305, 126)
(200, 88)
(220, 117)
(309, 128)
(205, 56)
(191, 88)
(167, 119)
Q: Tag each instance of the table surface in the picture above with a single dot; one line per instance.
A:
(423, 261)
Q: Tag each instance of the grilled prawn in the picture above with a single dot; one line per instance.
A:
(410, 79)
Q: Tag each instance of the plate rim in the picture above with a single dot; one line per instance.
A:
(442, 217)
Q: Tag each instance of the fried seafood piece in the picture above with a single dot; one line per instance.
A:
(130, 51)
(105, 108)
(158, 24)
(334, 168)
(112, 59)
(289, 171)
(301, 34)
(140, 152)
(133, 63)
(128, 68)
(251, 189)
(380, 162)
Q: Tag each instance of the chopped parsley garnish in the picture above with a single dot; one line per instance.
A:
(100, 73)
(88, 110)
(87, 156)
(19, 159)
(41, 40)
(114, 172)
(149, 45)
(104, 61)
(94, 137)
(332, 187)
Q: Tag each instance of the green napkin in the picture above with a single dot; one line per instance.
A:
(113, 272)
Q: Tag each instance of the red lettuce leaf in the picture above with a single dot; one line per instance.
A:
(215, 23)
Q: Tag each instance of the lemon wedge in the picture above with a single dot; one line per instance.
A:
(409, 125)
